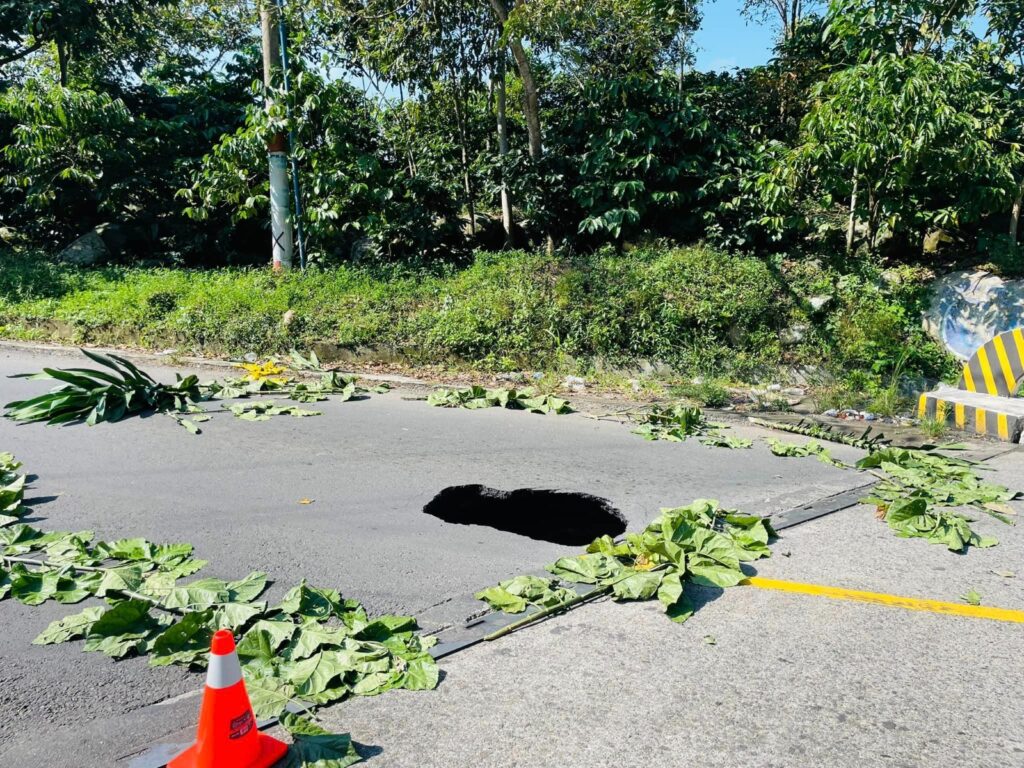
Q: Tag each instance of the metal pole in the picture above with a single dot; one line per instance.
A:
(282, 33)
(280, 226)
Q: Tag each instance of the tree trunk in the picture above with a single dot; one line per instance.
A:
(531, 107)
(872, 220)
(506, 200)
(403, 117)
(1018, 205)
(531, 102)
(851, 226)
(62, 61)
(467, 182)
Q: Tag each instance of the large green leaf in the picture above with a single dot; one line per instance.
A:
(312, 602)
(313, 747)
(33, 587)
(268, 695)
(120, 580)
(711, 574)
(64, 586)
(70, 627)
(249, 588)
(500, 599)
(322, 671)
(421, 674)
(235, 616)
(122, 630)
(310, 637)
(186, 641)
(263, 639)
(205, 593)
(641, 585)
(593, 568)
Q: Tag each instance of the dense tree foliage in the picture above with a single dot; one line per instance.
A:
(425, 129)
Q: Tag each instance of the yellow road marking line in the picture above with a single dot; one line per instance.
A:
(892, 601)
(986, 372)
(1004, 363)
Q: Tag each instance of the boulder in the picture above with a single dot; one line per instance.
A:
(969, 308)
(86, 251)
(794, 334)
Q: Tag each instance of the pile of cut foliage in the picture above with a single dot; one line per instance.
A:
(120, 389)
(678, 422)
(12, 490)
(810, 448)
(516, 399)
(313, 648)
(921, 491)
(701, 543)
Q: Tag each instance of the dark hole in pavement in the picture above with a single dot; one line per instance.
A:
(561, 517)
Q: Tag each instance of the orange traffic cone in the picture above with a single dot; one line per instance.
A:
(227, 736)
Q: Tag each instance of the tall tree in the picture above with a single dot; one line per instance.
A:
(912, 142)
(113, 30)
(788, 12)
(868, 29)
(1006, 22)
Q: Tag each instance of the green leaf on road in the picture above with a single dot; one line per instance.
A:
(312, 602)
(187, 641)
(122, 629)
(313, 747)
(642, 585)
(592, 568)
(120, 580)
(972, 598)
(268, 695)
(70, 627)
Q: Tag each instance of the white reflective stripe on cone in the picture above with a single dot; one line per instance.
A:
(224, 671)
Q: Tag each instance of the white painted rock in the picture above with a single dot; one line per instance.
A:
(969, 308)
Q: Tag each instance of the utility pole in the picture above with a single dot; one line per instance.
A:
(280, 220)
(300, 238)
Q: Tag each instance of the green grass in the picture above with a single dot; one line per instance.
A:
(934, 428)
(700, 311)
(709, 394)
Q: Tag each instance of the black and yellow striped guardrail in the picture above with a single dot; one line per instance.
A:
(984, 403)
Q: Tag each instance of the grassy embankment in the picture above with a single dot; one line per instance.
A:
(695, 311)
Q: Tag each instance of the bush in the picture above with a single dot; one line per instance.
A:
(698, 310)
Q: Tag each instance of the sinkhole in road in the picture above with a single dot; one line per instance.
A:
(561, 517)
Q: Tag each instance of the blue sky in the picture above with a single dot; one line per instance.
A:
(726, 39)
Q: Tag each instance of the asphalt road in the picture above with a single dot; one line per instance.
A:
(370, 467)
(791, 681)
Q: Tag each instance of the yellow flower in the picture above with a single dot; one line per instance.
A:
(260, 371)
(642, 563)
